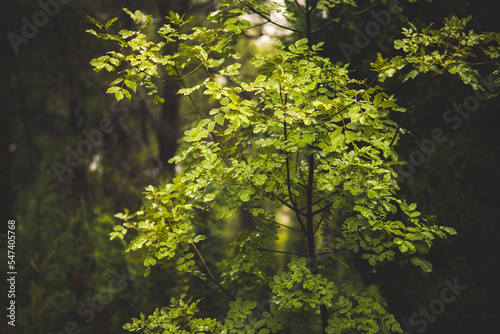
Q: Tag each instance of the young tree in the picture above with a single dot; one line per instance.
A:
(303, 134)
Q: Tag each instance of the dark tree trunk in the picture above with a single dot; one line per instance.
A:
(167, 131)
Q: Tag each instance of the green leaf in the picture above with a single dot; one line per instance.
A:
(94, 21)
(127, 94)
(424, 264)
(398, 241)
(97, 63)
(411, 75)
(149, 261)
(113, 89)
(132, 85)
(351, 224)
(245, 195)
(301, 42)
(110, 22)
(219, 118)
(368, 130)
(449, 230)
(119, 95)
(336, 137)
(116, 81)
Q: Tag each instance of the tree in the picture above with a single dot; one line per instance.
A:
(303, 135)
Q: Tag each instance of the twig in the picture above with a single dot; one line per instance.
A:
(268, 20)
(210, 273)
(412, 102)
(299, 6)
(281, 252)
(353, 14)
(286, 226)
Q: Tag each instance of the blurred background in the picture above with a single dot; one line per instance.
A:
(63, 191)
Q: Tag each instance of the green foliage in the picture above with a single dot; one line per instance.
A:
(302, 134)
(177, 318)
(450, 49)
(361, 311)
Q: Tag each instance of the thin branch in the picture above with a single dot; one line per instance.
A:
(190, 97)
(294, 204)
(319, 224)
(195, 104)
(205, 267)
(338, 112)
(412, 102)
(326, 253)
(188, 74)
(303, 186)
(299, 6)
(332, 312)
(268, 20)
(309, 196)
(481, 63)
(281, 252)
(286, 226)
(342, 16)
(178, 78)
(284, 202)
(210, 273)
(297, 214)
(313, 204)
(322, 209)
(364, 10)
(313, 7)
(257, 25)
(308, 23)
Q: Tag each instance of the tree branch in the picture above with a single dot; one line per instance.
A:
(281, 252)
(268, 20)
(342, 16)
(412, 102)
(322, 209)
(319, 224)
(299, 6)
(294, 204)
(210, 274)
(286, 226)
